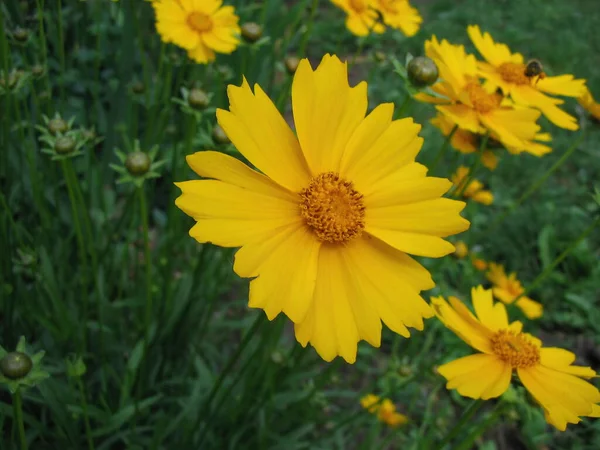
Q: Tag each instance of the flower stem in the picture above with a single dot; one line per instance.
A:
(86, 417)
(148, 275)
(466, 416)
(18, 411)
(481, 428)
(61, 52)
(311, 20)
(441, 152)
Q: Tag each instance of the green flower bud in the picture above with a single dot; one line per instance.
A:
(20, 34)
(138, 87)
(64, 145)
(15, 365)
(89, 135)
(38, 70)
(379, 56)
(251, 32)
(198, 99)
(291, 64)
(171, 129)
(422, 71)
(57, 125)
(219, 135)
(137, 163)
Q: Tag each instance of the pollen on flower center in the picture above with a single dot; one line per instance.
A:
(513, 73)
(517, 349)
(332, 208)
(482, 101)
(199, 22)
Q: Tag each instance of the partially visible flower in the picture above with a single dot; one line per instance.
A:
(399, 14)
(474, 189)
(466, 102)
(370, 402)
(385, 410)
(508, 288)
(478, 263)
(461, 250)
(506, 71)
(589, 104)
(361, 18)
(203, 28)
(546, 372)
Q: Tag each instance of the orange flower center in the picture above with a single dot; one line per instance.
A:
(481, 100)
(516, 349)
(358, 5)
(332, 208)
(513, 73)
(389, 6)
(199, 22)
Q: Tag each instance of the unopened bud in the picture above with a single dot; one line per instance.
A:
(64, 145)
(137, 163)
(15, 365)
(20, 34)
(251, 32)
(219, 135)
(198, 99)
(422, 71)
(291, 64)
(57, 125)
(138, 87)
(37, 70)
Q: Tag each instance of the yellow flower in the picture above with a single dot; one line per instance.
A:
(370, 402)
(361, 18)
(589, 104)
(478, 263)
(506, 70)
(546, 372)
(399, 14)
(201, 27)
(508, 288)
(474, 189)
(461, 250)
(326, 227)
(388, 415)
(466, 103)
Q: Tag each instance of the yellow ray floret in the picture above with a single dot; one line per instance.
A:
(471, 188)
(361, 16)
(399, 14)
(509, 288)
(326, 222)
(546, 372)
(589, 104)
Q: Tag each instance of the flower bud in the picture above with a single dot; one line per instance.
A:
(138, 87)
(219, 135)
(251, 32)
(64, 145)
(20, 34)
(198, 99)
(15, 365)
(57, 125)
(37, 70)
(422, 71)
(137, 163)
(291, 64)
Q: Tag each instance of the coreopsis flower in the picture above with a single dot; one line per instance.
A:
(509, 288)
(461, 249)
(203, 27)
(508, 71)
(325, 229)
(466, 103)
(361, 17)
(546, 372)
(474, 189)
(589, 104)
(399, 14)
(370, 402)
(385, 410)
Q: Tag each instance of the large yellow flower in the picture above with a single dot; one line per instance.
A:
(547, 373)
(506, 70)
(465, 102)
(400, 14)
(589, 104)
(361, 18)
(326, 227)
(509, 288)
(202, 27)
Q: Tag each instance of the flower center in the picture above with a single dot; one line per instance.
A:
(389, 6)
(358, 5)
(199, 22)
(481, 100)
(332, 208)
(513, 73)
(517, 349)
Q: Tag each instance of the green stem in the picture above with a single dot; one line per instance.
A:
(481, 428)
(548, 270)
(460, 189)
(86, 417)
(533, 188)
(441, 152)
(309, 27)
(466, 416)
(18, 411)
(148, 281)
(61, 53)
(403, 106)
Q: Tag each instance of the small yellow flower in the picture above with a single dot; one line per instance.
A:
(361, 18)
(467, 103)
(546, 372)
(370, 402)
(203, 28)
(385, 410)
(508, 288)
(474, 189)
(506, 71)
(478, 263)
(461, 250)
(399, 14)
(589, 104)
(326, 227)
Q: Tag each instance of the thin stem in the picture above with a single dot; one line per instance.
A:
(148, 267)
(442, 151)
(86, 417)
(403, 106)
(61, 53)
(466, 416)
(309, 27)
(481, 428)
(18, 410)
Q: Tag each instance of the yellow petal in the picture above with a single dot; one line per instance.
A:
(493, 53)
(463, 116)
(477, 376)
(561, 360)
(413, 243)
(261, 134)
(201, 53)
(492, 316)
(529, 96)
(531, 308)
(562, 85)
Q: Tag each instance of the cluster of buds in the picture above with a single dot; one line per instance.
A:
(19, 369)
(61, 140)
(137, 166)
